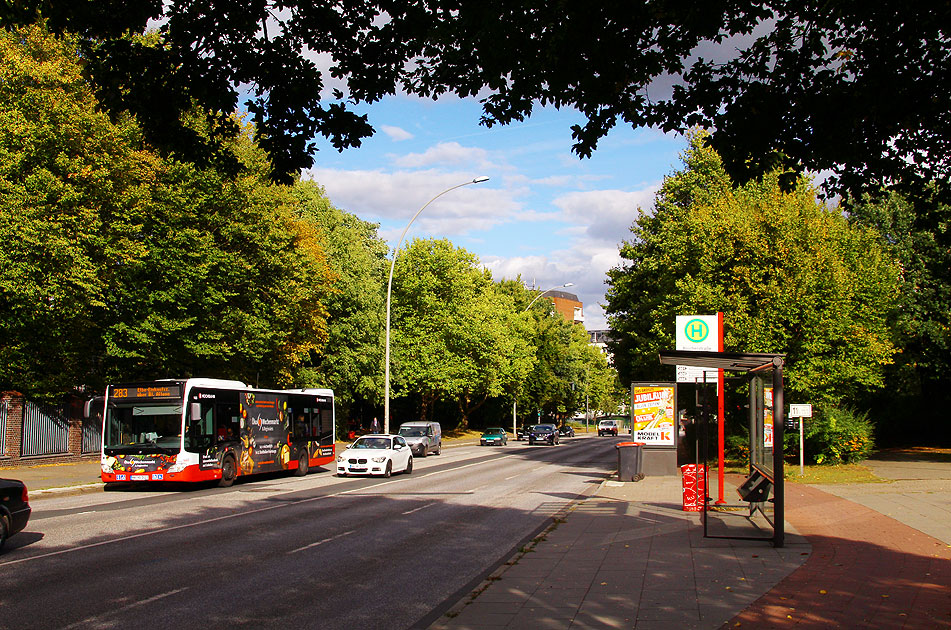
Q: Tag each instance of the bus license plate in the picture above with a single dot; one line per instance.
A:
(139, 477)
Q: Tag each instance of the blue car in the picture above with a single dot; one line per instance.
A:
(494, 436)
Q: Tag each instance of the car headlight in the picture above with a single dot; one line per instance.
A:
(378, 460)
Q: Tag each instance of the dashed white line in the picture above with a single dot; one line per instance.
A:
(320, 542)
(422, 507)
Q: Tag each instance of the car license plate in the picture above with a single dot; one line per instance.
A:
(355, 469)
(139, 477)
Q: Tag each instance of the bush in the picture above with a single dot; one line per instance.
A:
(737, 447)
(836, 436)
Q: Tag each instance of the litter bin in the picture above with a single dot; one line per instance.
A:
(629, 461)
(695, 487)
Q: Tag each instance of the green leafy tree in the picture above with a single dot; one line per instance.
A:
(124, 265)
(69, 182)
(789, 274)
(919, 236)
(452, 332)
(353, 359)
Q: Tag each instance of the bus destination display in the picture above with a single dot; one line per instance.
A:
(150, 391)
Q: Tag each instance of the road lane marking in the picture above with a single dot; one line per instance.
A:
(422, 507)
(320, 542)
(85, 623)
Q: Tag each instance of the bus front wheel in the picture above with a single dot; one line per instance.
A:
(303, 464)
(229, 470)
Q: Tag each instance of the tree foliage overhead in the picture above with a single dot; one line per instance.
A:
(855, 88)
(790, 275)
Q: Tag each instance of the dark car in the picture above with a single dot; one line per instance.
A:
(566, 431)
(14, 508)
(543, 433)
(521, 433)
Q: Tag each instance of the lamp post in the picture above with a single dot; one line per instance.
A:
(389, 292)
(515, 403)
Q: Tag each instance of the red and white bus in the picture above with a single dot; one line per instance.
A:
(201, 429)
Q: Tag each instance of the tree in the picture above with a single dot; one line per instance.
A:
(452, 332)
(790, 275)
(919, 236)
(357, 256)
(121, 265)
(856, 88)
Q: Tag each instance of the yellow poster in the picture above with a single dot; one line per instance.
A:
(653, 415)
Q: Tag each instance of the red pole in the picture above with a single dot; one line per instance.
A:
(720, 409)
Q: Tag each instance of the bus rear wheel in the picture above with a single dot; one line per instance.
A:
(303, 464)
(229, 470)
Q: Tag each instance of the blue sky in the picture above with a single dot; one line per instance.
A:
(544, 213)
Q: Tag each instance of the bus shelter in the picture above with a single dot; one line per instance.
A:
(764, 373)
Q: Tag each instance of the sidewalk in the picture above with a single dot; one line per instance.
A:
(628, 557)
(58, 479)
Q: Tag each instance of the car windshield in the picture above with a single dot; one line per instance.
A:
(378, 443)
(413, 431)
(608, 423)
(493, 432)
(544, 427)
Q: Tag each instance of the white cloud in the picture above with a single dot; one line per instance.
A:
(606, 215)
(396, 134)
(446, 154)
(396, 196)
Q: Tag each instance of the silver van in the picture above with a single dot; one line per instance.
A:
(423, 437)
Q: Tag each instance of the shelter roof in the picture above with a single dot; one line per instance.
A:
(730, 361)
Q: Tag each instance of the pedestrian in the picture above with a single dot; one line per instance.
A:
(375, 426)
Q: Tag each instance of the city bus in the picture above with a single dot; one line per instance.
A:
(201, 429)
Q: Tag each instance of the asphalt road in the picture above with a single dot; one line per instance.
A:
(291, 552)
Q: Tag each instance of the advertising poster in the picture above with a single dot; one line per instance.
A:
(768, 417)
(654, 415)
(264, 429)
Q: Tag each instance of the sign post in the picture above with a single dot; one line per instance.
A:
(801, 411)
(704, 333)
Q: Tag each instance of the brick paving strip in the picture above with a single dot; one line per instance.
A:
(866, 570)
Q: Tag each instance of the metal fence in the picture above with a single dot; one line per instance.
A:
(92, 436)
(4, 408)
(45, 429)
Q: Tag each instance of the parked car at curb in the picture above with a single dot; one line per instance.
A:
(376, 455)
(494, 436)
(423, 437)
(607, 427)
(546, 433)
(15, 508)
(566, 431)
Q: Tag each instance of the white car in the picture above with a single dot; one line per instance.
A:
(376, 455)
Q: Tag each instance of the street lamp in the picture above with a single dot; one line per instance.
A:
(389, 291)
(515, 402)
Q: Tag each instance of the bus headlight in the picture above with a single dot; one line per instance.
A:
(177, 467)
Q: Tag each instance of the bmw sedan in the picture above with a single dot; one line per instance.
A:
(494, 436)
(376, 455)
(14, 508)
(543, 433)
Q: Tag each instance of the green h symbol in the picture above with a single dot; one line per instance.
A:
(696, 330)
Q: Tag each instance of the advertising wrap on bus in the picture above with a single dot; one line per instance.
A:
(205, 429)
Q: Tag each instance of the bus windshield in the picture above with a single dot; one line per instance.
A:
(137, 426)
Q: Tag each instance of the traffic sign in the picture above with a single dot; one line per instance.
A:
(800, 411)
(700, 333)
